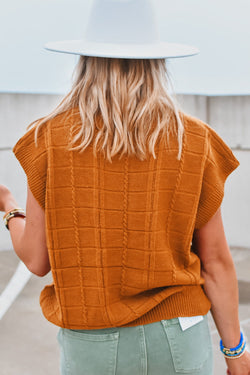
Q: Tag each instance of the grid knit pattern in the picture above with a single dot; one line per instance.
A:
(119, 234)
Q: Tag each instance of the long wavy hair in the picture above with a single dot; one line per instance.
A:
(134, 99)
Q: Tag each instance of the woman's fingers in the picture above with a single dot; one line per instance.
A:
(4, 195)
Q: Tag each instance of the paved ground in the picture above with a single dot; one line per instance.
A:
(28, 343)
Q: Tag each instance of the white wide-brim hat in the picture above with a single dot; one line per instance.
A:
(122, 29)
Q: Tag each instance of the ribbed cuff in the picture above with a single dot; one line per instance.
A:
(35, 182)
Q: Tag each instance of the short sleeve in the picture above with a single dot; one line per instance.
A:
(33, 160)
(219, 164)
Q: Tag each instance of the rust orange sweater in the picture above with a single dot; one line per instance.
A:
(119, 235)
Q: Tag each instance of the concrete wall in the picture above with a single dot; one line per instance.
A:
(229, 115)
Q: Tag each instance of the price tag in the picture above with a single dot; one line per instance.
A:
(189, 321)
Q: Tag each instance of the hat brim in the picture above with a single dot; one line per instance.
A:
(129, 51)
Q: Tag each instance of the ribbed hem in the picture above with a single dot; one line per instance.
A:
(191, 301)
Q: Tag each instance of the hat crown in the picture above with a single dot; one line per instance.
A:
(122, 21)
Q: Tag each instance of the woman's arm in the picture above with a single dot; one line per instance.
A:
(28, 235)
(221, 286)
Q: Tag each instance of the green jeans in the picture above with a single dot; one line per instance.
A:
(159, 348)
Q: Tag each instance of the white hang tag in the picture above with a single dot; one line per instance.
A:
(189, 321)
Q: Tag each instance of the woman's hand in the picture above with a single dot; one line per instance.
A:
(239, 366)
(6, 199)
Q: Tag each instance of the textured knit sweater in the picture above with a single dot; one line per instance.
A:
(119, 234)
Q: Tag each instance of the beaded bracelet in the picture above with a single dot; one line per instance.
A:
(15, 212)
(235, 352)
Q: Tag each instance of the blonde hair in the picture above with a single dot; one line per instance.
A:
(132, 98)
